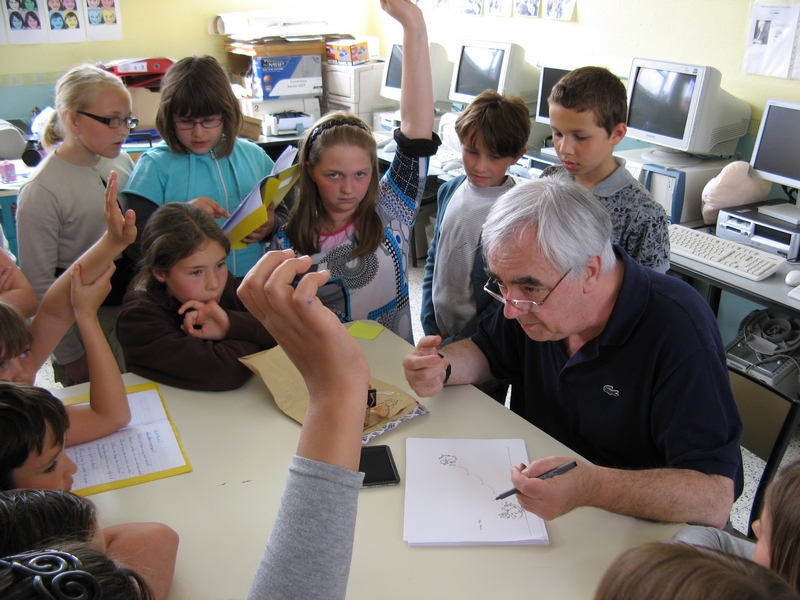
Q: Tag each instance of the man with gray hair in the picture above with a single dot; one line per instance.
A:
(623, 365)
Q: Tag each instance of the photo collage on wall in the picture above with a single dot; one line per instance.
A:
(561, 10)
(61, 21)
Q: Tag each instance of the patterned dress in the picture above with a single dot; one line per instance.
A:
(375, 286)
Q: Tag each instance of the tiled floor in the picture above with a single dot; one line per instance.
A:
(752, 464)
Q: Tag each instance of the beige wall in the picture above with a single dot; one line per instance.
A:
(606, 32)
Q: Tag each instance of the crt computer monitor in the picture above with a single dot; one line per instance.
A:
(549, 77)
(498, 66)
(776, 155)
(681, 108)
(441, 69)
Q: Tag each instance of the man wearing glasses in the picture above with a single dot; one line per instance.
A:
(620, 363)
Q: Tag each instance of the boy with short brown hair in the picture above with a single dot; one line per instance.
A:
(588, 112)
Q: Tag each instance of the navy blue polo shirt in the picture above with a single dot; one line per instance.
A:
(652, 390)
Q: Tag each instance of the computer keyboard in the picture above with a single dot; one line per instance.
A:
(382, 138)
(723, 254)
(444, 156)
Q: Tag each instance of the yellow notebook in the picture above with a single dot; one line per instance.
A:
(149, 448)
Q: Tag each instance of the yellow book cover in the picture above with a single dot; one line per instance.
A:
(148, 448)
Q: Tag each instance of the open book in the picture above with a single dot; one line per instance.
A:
(451, 486)
(147, 449)
(252, 212)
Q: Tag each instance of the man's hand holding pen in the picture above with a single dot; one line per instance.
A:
(551, 497)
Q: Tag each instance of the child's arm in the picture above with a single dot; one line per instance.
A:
(416, 91)
(149, 549)
(108, 408)
(55, 315)
(15, 288)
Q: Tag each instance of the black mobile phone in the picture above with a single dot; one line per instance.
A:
(378, 466)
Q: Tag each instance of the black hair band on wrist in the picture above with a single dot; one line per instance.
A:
(447, 371)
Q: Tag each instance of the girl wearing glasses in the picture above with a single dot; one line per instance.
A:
(60, 212)
(202, 162)
(353, 224)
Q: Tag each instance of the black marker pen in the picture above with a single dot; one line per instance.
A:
(552, 473)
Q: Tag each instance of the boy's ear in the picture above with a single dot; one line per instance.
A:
(521, 154)
(619, 131)
(159, 275)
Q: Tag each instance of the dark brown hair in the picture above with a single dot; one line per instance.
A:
(25, 414)
(15, 335)
(116, 581)
(335, 129)
(594, 89)
(34, 518)
(783, 503)
(671, 570)
(502, 122)
(173, 232)
(194, 88)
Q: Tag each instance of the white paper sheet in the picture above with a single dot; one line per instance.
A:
(771, 37)
(147, 445)
(451, 486)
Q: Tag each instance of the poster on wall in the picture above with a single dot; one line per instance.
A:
(560, 10)
(65, 21)
(527, 8)
(472, 7)
(23, 21)
(770, 39)
(104, 20)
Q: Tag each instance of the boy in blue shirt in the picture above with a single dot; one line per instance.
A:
(493, 131)
(588, 112)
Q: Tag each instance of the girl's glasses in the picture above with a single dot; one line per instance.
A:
(208, 123)
(113, 122)
(526, 305)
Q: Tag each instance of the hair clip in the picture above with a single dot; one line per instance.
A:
(335, 123)
(55, 575)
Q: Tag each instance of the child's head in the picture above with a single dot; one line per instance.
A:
(670, 570)
(183, 254)
(109, 16)
(493, 131)
(56, 21)
(34, 518)
(33, 428)
(198, 112)
(588, 111)
(16, 20)
(13, 4)
(16, 362)
(339, 179)
(93, 3)
(778, 529)
(76, 571)
(71, 20)
(69, 5)
(95, 16)
(31, 5)
(32, 20)
(54, 5)
(89, 89)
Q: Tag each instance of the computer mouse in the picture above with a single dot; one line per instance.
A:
(390, 147)
(793, 278)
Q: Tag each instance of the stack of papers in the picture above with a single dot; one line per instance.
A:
(451, 486)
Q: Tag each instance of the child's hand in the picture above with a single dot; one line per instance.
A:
(402, 10)
(121, 229)
(263, 231)
(210, 207)
(204, 320)
(86, 299)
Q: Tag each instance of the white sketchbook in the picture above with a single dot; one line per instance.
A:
(147, 448)
(451, 486)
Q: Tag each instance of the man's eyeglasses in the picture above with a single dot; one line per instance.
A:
(207, 123)
(526, 305)
(113, 122)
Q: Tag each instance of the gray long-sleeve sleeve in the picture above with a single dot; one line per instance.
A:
(308, 554)
(714, 538)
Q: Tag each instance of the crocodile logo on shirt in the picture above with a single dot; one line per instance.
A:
(609, 389)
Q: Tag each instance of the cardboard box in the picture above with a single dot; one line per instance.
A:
(347, 52)
(144, 105)
(251, 127)
(282, 76)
